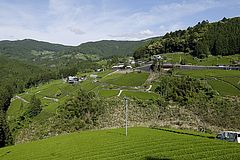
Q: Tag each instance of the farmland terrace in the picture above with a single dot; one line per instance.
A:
(141, 143)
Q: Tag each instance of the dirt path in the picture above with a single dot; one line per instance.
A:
(149, 88)
(22, 99)
(120, 92)
(54, 99)
(110, 74)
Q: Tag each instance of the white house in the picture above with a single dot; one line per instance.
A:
(72, 79)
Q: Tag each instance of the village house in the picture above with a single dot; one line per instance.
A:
(72, 79)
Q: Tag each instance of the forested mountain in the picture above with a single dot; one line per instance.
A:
(15, 76)
(107, 48)
(28, 49)
(218, 38)
(47, 53)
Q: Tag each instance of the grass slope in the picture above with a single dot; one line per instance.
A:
(224, 88)
(140, 95)
(141, 143)
(108, 93)
(225, 82)
(128, 79)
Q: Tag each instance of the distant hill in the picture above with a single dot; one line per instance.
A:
(218, 38)
(107, 48)
(28, 49)
(43, 52)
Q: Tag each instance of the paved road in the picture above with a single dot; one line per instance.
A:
(190, 67)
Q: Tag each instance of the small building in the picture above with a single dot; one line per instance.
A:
(99, 70)
(128, 67)
(121, 66)
(72, 79)
(156, 57)
(229, 136)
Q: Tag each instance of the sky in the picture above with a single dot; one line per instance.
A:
(72, 22)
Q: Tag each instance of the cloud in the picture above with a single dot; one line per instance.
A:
(134, 36)
(76, 21)
(76, 30)
(146, 32)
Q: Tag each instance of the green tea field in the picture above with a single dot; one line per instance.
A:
(126, 79)
(225, 82)
(141, 143)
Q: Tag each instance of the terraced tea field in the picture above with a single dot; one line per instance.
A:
(141, 143)
(140, 95)
(126, 79)
(225, 82)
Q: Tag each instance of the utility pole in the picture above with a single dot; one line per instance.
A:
(126, 115)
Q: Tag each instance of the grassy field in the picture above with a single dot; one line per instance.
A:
(224, 88)
(232, 80)
(140, 95)
(108, 93)
(126, 79)
(141, 143)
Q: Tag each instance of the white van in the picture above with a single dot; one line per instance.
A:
(229, 136)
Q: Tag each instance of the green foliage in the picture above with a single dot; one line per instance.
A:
(198, 97)
(85, 107)
(28, 49)
(5, 134)
(220, 38)
(141, 143)
(35, 106)
(108, 48)
(182, 89)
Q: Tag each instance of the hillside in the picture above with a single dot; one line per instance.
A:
(141, 143)
(29, 49)
(107, 48)
(218, 38)
(39, 52)
(153, 100)
(15, 76)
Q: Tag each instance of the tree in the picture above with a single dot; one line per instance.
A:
(35, 106)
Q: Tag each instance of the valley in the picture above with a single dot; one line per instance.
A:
(68, 102)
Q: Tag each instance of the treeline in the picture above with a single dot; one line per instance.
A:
(219, 38)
